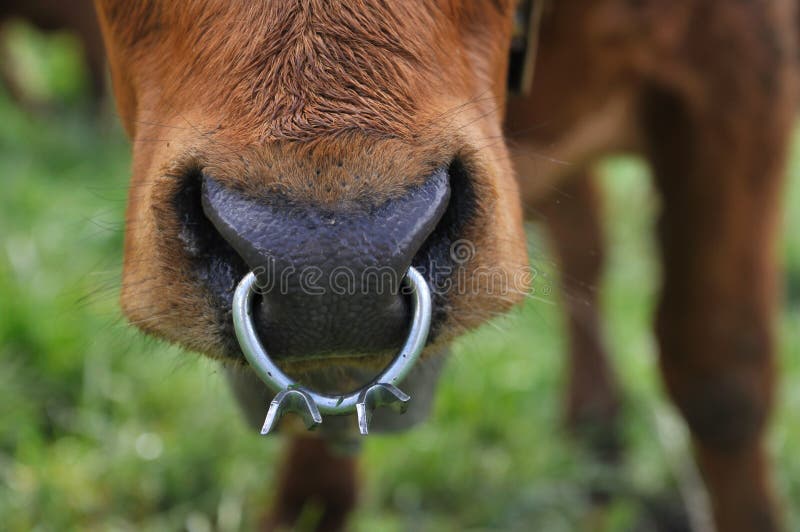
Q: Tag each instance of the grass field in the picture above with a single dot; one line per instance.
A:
(103, 429)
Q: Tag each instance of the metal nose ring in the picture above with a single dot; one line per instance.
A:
(310, 405)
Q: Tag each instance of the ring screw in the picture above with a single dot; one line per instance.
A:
(377, 395)
(292, 400)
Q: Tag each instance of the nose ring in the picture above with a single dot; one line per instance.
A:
(310, 405)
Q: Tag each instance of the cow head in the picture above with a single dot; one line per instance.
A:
(325, 145)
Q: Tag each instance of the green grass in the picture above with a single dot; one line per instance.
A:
(103, 429)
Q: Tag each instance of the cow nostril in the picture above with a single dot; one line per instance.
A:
(214, 262)
(439, 259)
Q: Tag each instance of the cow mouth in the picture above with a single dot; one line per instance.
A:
(217, 269)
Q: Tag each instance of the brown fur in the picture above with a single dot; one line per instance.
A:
(372, 94)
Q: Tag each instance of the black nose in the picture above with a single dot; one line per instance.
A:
(330, 276)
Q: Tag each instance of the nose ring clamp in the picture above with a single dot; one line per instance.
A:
(310, 405)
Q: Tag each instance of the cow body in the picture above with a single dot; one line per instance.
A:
(345, 107)
(687, 85)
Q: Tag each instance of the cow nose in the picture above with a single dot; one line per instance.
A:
(330, 276)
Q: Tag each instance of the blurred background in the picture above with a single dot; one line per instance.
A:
(104, 429)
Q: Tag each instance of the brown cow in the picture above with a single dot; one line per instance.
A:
(308, 114)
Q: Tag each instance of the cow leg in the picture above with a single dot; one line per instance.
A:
(719, 174)
(314, 476)
(572, 217)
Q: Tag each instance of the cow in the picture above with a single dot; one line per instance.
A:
(306, 115)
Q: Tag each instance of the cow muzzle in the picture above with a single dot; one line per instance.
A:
(329, 277)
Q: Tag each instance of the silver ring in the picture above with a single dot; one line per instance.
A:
(293, 397)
